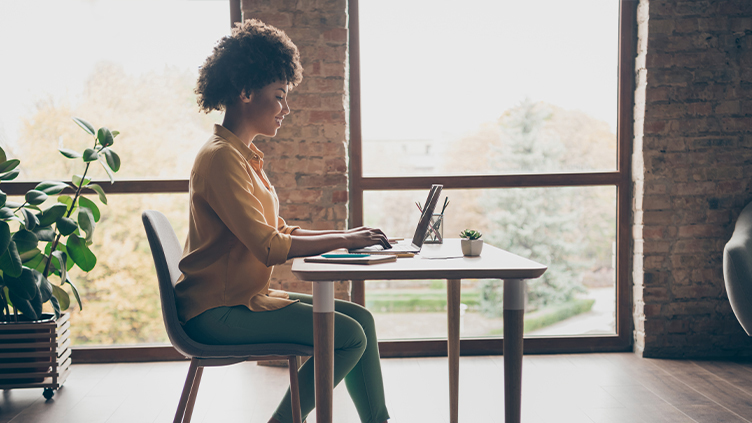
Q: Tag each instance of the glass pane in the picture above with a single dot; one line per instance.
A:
(571, 230)
(128, 65)
(487, 83)
(120, 295)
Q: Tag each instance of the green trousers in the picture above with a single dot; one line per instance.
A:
(356, 350)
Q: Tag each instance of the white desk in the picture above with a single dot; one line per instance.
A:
(493, 263)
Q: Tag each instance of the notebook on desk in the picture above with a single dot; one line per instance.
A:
(414, 246)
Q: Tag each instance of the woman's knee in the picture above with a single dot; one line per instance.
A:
(348, 333)
(361, 314)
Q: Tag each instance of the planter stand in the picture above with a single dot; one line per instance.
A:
(35, 354)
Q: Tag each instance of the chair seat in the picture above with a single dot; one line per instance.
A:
(245, 350)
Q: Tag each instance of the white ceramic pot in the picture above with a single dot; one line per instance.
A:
(472, 247)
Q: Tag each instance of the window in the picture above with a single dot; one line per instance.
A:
(523, 111)
(130, 66)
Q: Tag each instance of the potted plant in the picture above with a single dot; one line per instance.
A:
(472, 245)
(41, 239)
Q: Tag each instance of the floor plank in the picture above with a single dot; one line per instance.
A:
(577, 388)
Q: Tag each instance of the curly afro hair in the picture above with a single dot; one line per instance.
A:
(254, 56)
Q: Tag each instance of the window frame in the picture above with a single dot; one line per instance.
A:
(621, 179)
(127, 353)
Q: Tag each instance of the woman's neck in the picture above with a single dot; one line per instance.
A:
(235, 121)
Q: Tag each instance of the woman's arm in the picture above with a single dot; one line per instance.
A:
(311, 243)
(307, 232)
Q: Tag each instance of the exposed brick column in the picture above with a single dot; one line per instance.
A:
(307, 160)
(692, 171)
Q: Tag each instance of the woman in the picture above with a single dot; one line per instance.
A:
(236, 236)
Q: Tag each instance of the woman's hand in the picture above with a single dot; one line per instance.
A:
(311, 243)
(365, 237)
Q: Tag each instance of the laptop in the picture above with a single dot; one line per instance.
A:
(416, 244)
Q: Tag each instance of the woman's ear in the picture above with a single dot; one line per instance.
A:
(246, 97)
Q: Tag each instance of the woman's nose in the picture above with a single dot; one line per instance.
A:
(285, 107)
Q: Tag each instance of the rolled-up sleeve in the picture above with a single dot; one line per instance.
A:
(282, 226)
(230, 191)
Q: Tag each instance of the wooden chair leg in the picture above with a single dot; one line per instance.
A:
(294, 388)
(192, 397)
(187, 388)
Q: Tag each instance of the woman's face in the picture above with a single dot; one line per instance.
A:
(267, 107)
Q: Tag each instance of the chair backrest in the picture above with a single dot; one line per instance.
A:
(737, 269)
(166, 250)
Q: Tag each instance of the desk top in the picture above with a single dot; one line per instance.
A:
(493, 263)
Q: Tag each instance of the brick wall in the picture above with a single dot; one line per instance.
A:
(692, 170)
(307, 160)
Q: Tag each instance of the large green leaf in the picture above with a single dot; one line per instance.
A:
(86, 126)
(25, 240)
(3, 198)
(62, 297)
(55, 306)
(66, 226)
(31, 308)
(44, 285)
(3, 157)
(13, 204)
(61, 247)
(105, 137)
(9, 176)
(9, 165)
(106, 168)
(75, 292)
(34, 259)
(99, 192)
(4, 236)
(30, 219)
(80, 253)
(28, 255)
(85, 202)
(67, 152)
(76, 179)
(90, 155)
(24, 286)
(51, 187)
(10, 261)
(35, 197)
(113, 160)
(86, 222)
(59, 261)
(6, 213)
(52, 214)
(44, 234)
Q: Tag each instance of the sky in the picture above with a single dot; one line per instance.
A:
(57, 43)
(429, 69)
(433, 67)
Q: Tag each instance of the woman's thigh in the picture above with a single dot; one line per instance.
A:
(239, 325)
(348, 308)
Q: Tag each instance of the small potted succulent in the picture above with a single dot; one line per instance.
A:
(471, 242)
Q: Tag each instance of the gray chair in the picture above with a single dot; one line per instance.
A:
(166, 251)
(737, 269)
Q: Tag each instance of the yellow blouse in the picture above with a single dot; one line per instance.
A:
(235, 234)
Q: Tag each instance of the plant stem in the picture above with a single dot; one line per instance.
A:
(73, 204)
(22, 206)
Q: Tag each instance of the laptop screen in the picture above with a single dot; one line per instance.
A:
(425, 216)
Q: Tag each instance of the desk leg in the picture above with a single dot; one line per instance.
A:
(514, 314)
(323, 349)
(453, 346)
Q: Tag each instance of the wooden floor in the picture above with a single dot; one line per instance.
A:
(607, 388)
